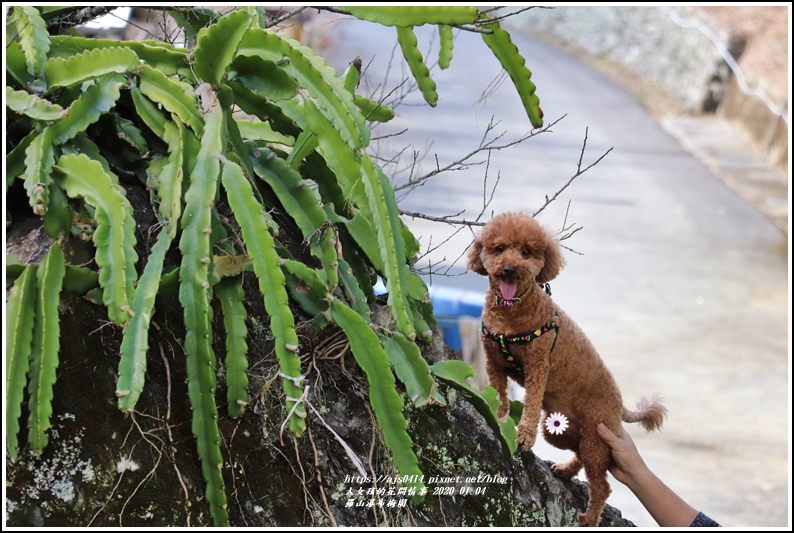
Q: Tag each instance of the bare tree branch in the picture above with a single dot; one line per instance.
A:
(447, 219)
(464, 162)
(506, 15)
(77, 18)
(486, 201)
(285, 16)
(579, 172)
(566, 230)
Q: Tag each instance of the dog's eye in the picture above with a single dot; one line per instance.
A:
(526, 252)
(500, 248)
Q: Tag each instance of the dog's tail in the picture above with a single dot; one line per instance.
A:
(650, 413)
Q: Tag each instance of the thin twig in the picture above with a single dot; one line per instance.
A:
(302, 476)
(286, 16)
(77, 18)
(118, 482)
(172, 448)
(320, 478)
(506, 15)
(486, 145)
(579, 172)
(450, 219)
(151, 472)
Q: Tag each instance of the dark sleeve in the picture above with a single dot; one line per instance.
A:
(702, 520)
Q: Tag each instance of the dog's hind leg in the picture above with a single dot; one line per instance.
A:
(569, 469)
(596, 457)
(568, 440)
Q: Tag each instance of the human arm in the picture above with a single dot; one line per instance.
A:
(628, 467)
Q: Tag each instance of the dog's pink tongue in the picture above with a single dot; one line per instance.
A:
(508, 289)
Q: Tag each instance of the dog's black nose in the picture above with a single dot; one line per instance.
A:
(509, 270)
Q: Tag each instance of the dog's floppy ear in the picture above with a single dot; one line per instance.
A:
(475, 263)
(552, 262)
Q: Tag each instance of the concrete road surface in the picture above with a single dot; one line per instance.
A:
(680, 283)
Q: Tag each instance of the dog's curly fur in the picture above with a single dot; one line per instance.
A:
(562, 372)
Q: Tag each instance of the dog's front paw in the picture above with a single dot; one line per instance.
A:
(503, 409)
(527, 435)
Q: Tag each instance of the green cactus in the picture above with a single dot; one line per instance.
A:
(90, 115)
(20, 317)
(44, 350)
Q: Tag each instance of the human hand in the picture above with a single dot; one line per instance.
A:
(628, 467)
(627, 464)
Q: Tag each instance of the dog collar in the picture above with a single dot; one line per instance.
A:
(504, 342)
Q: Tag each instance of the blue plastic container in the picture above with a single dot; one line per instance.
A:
(449, 304)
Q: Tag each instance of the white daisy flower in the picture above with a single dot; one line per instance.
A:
(556, 423)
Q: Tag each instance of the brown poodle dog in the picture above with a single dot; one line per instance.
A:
(529, 339)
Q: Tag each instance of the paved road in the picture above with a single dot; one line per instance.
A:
(680, 283)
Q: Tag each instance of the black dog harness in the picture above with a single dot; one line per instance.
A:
(504, 342)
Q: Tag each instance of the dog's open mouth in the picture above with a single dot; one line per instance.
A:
(508, 289)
